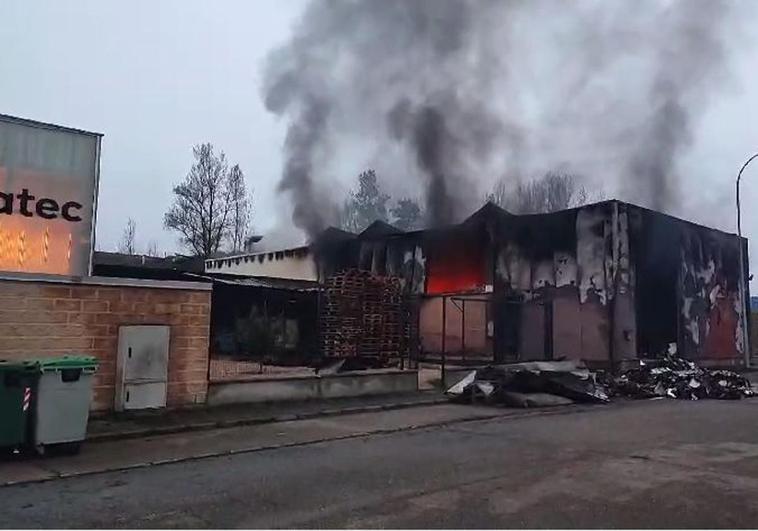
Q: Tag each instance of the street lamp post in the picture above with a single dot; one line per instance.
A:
(743, 272)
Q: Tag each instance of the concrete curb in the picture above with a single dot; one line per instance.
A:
(511, 414)
(213, 425)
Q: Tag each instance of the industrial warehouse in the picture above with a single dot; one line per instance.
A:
(606, 283)
(397, 264)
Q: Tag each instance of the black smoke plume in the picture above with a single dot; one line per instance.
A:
(475, 90)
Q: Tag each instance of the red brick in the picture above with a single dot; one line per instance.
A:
(43, 345)
(55, 292)
(84, 292)
(201, 297)
(179, 342)
(32, 317)
(12, 303)
(195, 320)
(106, 361)
(167, 308)
(103, 378)
(167, 296)
(187, 360)
(105, 356)
(55, 330)
(107, 343)
(8, 288)
(142, 308)
(68, 305)
(191, 331)
(196, 309)
(99, 330)
(122, 306)
(20, 329)
(95, 306)
(40, 304)
(73, 343)
(109, 294)
(190, 376)
(199, 342)
(135, 295)
(83, 318)
(113, 318)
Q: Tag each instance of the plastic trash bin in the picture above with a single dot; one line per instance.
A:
(16, 386)
(62, 402)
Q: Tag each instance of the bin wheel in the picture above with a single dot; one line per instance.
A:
(68, 448)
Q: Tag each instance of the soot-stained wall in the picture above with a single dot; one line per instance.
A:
(688, 290)
(573, 273)
(605, 282)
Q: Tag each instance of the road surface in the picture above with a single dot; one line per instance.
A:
(648, 464)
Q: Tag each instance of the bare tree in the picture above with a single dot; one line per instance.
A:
(554, 191)
(240, 209)
(127, 243)
(406, 214)
(201, 212)
(152, 249)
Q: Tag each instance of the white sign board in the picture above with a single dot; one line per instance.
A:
(48, 190)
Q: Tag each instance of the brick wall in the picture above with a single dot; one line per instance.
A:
(50, 319)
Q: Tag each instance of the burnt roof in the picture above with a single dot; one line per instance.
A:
(334, 235)
(107, 264)
(379, 229)
(176, 262)
(488, 211)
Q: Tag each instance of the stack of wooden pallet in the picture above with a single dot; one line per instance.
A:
(363, 314)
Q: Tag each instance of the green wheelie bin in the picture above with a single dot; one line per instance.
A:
(17, 383)
(62, 402)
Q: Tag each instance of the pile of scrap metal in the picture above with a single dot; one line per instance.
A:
(674, 377)
(540, 384)
(531, 384)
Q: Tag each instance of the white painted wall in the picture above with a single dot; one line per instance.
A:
(297, 264)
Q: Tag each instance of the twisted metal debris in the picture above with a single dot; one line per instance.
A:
(540, 383)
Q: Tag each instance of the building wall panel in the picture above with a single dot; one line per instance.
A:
(84, 319)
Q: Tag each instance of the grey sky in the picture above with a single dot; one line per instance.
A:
(157, 77)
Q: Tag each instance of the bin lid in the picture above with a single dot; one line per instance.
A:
(71, 361)
(17, 366)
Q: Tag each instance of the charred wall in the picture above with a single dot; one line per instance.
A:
(572, 271)
(710, 299)
(688, 289)
(400, 256)
(604, 282)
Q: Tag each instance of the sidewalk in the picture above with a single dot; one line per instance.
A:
(122, 455)
(143, 424)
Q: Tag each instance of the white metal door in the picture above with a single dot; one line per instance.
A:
(142, 367)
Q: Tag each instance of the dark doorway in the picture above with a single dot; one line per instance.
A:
(656, 251)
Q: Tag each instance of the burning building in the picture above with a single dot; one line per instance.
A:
(606, 283)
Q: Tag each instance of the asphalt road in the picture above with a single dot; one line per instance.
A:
(649, 464)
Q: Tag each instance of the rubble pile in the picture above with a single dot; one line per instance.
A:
(531, 384)
(539, 384)
(674, 377)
